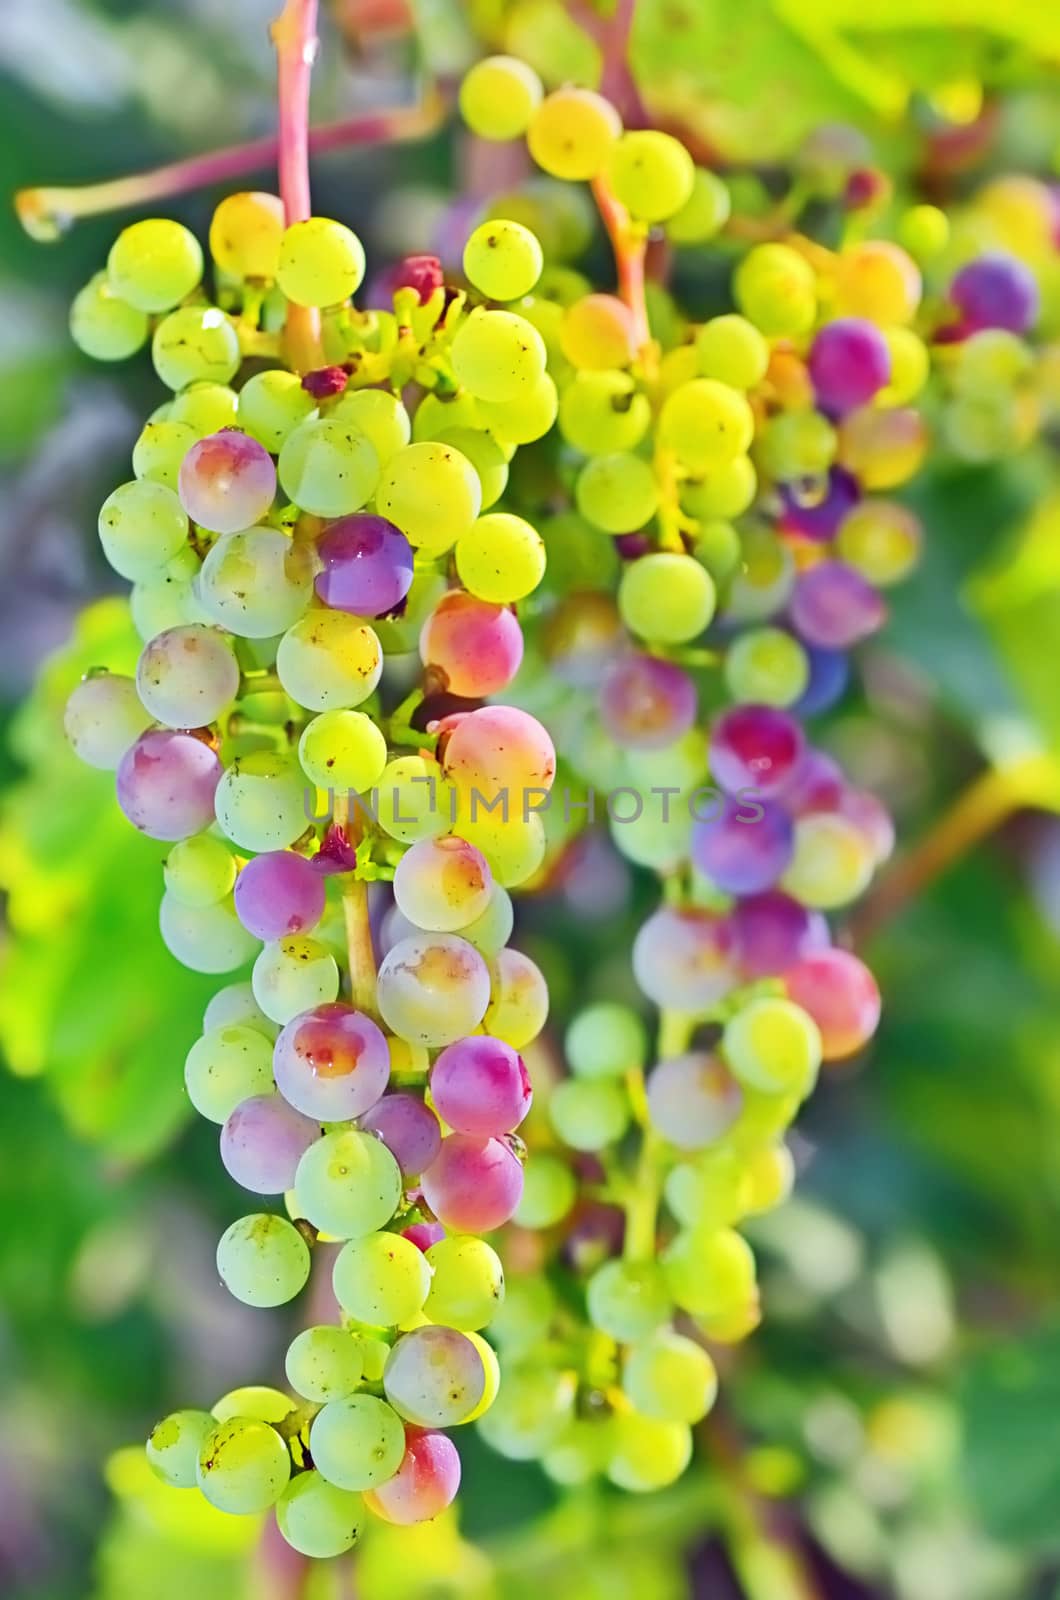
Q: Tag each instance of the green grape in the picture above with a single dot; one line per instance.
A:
(589, 1115)
(531, 1412)
(924, 231)
(571, 133)
(647, 1454)
(271, 406)
(196, 344)
(206, 408)
(526, 417)
(652, 174)
(580, 564)
(243, 1466)
(706, 424)
(348, 1184)
(711, 1191)
(832, 864)
(294, 975)
(261, 801)
(709, 1273)
(881, 539)
(207, 938)
(704, 213)
(910, 366)
(200, 871)
(499, 96)
(432, 493)
(468, 1282)
(142, 525)
(603, 412)
(606, 1040)
(174, 1445)
(160, 449)
(766, 666)
(490, 932)
(549, 1192)
(321, 262)
(770, 1178)
(617, 493)
(523, 1320)
(413, 799)
(580, 1452)
(229, 1064)
(773, 1045)
(500, 558)
(718, 547)
(381, 1279)
(234, 1006)
(357, 1442)
(153, 264)
(438, 413)
(263, 1260)
(764, 579)
(628, 1299)
(485, 455)
(503, 260)
(256, 583)
(666, 598)
(726, 492)
(380, 416)
(105, 326)
(670, 1378)
(496, 354)
(325, 1363)
(796, 444)
(167, 598)
(653, 839)
(328, 467)
(318, 1519)
(329, 660)
(256, 1401)
(342, 750)
(775, 288)
(732, 350)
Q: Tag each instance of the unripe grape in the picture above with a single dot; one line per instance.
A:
(245, 234)
(153, 264)
(499, 96)
(571, 133)
(321, 262)
(651, 173)
(503, 260)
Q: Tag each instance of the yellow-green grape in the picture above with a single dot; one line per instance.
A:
(605, 1040)
(525, 1318)
(991, 360)
(196, 344)
(255, 1400)
(832, 862)
(492, 1369)
(357, 1442)
(647, 1454)
(499, 96)
(379, 416)
(988, 427)
(706, 424)
(414, 799)
(166, 597)
(495, 354)
(668, 598)
(154, 264)
(709, 1272)
(348, 1184)
(732, 350)
(501, 558)
(432, 493)
(571, 133)
(317, 1518)
(261, 801)
(924, 231)
(205, 408)
(160, 449)
(764, 579)
(263, 1260)
(329, 660)
(549, 1192)
(878, 280)
(468, 1282)
(293, 975)
(881, 539)
(910, 367)
(770, 1178)
(704, 213)
(518, 1007)
(710, 1191)
(776, 289)
(670, 1378)
(526, 417)
(651, 173)
(342, 750)
(174, 1444)
(533, 1408)
(602, 412)
(514, 850)
(796, 444)
(717, 546)
(502, 259)
(627, 1299)
(142, 526)
(200, 871)
(328, 467)
(438, 413)
(485, 455)
(104, 325)
(271, 405)
(589, 1114)
(325, 1363)
(726, 492)
(228, 1064)
(579, 1454)
(243, 1466)
(766, 666)
(618, 493)
(773, 1045)
(382, 1280)
(321, 262)
(245, 234)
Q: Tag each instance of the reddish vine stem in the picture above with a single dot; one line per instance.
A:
(629, 245)
(294, 35)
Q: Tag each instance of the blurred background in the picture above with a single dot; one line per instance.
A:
(897, 1418)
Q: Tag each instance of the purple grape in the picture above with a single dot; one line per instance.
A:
(772, 931)
(263, 1141)
(850, 362)
(817, 784)
(746, 848)
(755, 748)
(279, 894)
(829, 675)
(819, 516)
(331, 1063)
(481, 1086)
(367, 565)
(834, 606)
(996, 291)
(166, 783)
(646, 703)
(408, 1128)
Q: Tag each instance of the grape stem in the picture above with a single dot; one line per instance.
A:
(629, 245)
(294, 36)
(359, 947)
(645, 1186)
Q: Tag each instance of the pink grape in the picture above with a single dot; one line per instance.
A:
(498, 750)
(425, 1483)
(424, 1234)
(408, 1128)
(646, 703)
(166, 783)
(278, 894)
(473, 1185)
(227, 482)
(481, 1086)
(841, 995)
(850, 362)
(263, 1141)
(832, 605)
(442, 885)
(476, 645)
(332, 1063)
(817, 784)
(755, 748)
(684, 960)
(771, 931)
(367, 565)
(693, 1100)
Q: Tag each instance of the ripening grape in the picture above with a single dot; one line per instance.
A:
(496, 354)
(572, 132)
(669, 1378)
(105, 326)
(381, 1279)
(271, 405)
(651, 173)
(773, 1045)
(227, 482)
(878, 280)
(153, 264)
(477, 645)
(647, 1454)
(321, 262)
(357, 1442)
(292, 975)
(832, 862)
(348, 1184)
(245, 234)
(755, 748)
(666, 597)
(325, 1363)
(618, 492)
(834, 607)
(770, 1178)
(257, 583)
(332, 1063)
(996, 291)
(603, 412)
(480, 1086)
(197, 344)
(692, 1100)
(328, 467)
(166, 784)
(142, 525)
(500, 558)
(263, 1260)
(518, 1007)
(187, 676)
(746, 847)
(684, 960)
(243, 1466)
(408, 1128)
(502, 259)
(474, 1184)
(467, 1284)
(262, 1142)
(435, 1377)
(260, 801)
(442, 884)
(498, 96)
(367, 565)
(597, 332)
(425, 1483)
(432, 493)
(839, 992)
(174, 1444)
(329, 660)
(647, 703)
(589, 1114)
(103, 718)
(318, 1519)
(497, 749)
